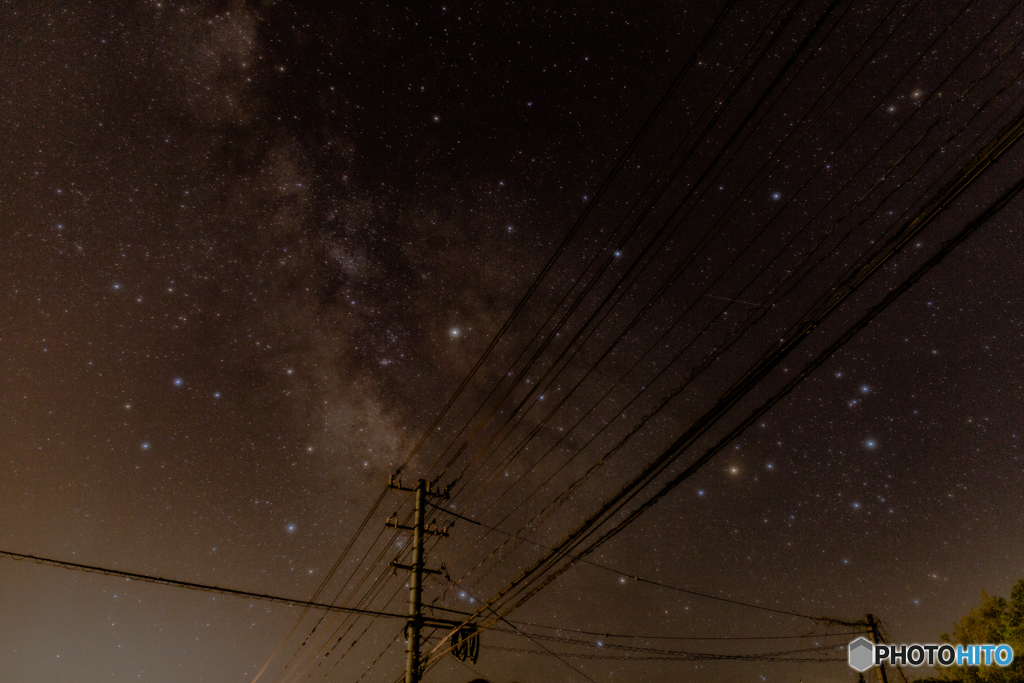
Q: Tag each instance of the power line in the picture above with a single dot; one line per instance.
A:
(382, 653)
(734, 260)
(635, 226)
(638, 136)
(675, 652)
(798, 333)
(683, 656)
(697, 183)
(781, 72)
(632, 636)
(611, 257)
(618, 291)
(147, 578)
(640, 579)
(1010, 134)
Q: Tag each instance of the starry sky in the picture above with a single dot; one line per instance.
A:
(251, 249)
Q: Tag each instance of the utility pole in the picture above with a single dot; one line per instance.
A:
(417, 570)
(876, 637)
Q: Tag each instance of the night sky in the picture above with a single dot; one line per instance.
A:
(251, 249)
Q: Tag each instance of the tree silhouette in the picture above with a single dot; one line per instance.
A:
(995, 620)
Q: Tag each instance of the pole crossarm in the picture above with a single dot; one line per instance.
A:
(432, 488)
(409, 568)
(431, 530)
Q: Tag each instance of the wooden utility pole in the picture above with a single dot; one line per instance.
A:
(417, 570)
(876, 638)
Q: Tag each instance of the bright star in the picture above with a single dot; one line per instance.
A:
(178, 381)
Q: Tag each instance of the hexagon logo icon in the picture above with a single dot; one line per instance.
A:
(862, 654)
